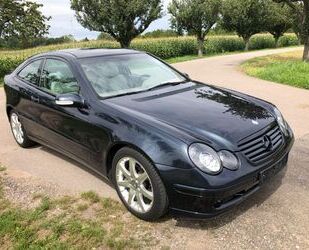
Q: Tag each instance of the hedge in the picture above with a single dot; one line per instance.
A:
(162, 47)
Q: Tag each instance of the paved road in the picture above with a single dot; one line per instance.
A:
(50, 166)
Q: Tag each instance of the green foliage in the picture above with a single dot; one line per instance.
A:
(300, 14)
(261, 42)
(167, 47)
(297, 20)
(21, 22)
(162, 47)
(246, 17)
(14, 42)
(122, 19)
(285, 68)
(279, 20)
(196, 17)
(160, 33)
(222, 44)
(43, 41)
(105, 36)
(288, 40)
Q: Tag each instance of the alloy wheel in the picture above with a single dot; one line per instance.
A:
(134, 184)
(17, 128)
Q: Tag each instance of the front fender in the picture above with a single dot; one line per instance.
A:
(159, 146)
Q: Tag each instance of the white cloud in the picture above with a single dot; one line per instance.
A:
(63, 21)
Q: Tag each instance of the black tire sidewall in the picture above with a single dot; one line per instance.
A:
(160, 202)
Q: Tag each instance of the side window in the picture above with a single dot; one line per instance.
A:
(58, 78)
(31, 72)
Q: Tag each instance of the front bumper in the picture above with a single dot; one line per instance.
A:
(197, 201)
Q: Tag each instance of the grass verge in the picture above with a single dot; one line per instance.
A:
(286, 68)
(70, 222)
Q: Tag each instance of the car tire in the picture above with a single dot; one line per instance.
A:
(19, 133)
(139, 186)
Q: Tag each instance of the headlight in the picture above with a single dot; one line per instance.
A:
(205, 158)
(281, 121)
(229, 160)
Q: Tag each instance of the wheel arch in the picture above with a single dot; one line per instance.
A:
(9, 109)
(115, 148)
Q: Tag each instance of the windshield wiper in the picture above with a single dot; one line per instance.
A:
(165, 84)
(150, 89)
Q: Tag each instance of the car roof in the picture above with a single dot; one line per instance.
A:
(89, 52)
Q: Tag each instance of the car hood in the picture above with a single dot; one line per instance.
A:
(203, 111)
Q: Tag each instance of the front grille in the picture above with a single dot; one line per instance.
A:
(261, 146)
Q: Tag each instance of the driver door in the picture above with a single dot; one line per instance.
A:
(65, 128)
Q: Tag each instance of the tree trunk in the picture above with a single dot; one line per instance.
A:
(246, 40)
(125, 44)
(276, 41)
(305, 31)
(200, 46)
(306, 50)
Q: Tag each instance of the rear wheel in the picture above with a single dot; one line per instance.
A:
(19, 133)
(138, 185)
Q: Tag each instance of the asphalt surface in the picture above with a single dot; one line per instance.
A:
(276, 218)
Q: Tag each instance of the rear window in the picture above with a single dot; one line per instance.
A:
(31, 73)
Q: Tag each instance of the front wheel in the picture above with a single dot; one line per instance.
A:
(138, 185)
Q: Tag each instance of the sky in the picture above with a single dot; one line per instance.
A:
(63, 20)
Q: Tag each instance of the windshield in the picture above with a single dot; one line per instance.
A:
(125, 74)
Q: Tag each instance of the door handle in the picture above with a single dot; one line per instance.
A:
(35, 99)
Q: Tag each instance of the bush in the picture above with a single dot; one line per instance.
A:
(162, 47)
(222, 44)
(288, 40)
(261, 42)
(167, 47)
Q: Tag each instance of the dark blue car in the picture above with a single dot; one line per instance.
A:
(166, 142)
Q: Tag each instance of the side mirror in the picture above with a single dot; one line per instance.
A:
(70, 100)
(186, 75)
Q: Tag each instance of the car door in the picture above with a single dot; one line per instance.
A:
(67, 129)
(27, 103)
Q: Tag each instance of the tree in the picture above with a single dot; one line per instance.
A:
(22, 21)
(245, 17)
(297, 27)
(301, 11)
(279, 20)
(122, 19)
(196, 17)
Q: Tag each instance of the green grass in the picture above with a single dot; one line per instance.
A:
(287, 68)
(69, 222)
(91, 196)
